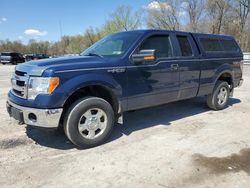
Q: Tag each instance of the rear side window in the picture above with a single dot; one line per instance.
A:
(185, 46)
(211, 45)
(229, 45)
(160, 43)
(219, 45)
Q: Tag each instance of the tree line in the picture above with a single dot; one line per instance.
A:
(230, 17)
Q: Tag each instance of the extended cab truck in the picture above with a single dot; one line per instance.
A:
(123, 72)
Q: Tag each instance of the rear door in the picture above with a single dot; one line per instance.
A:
(156, 82)
(189, 65)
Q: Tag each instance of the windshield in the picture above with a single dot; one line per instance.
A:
(114, 45)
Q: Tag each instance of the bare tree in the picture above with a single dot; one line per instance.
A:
(245, 3)
(164, 15)
(91, 36)
(194, 9)
(217, 11)
(124, 19)
(242, 9)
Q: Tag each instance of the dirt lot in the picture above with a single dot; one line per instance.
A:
(182, 144)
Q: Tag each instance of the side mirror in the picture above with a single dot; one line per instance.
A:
(144, 56)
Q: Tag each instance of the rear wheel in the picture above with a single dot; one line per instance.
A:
(89, 122)
(219, 98)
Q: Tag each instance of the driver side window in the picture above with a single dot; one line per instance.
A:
(160, 43)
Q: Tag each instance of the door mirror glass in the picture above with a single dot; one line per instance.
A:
(144, 56)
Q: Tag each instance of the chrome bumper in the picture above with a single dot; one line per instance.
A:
(4, 61)
(33, 116)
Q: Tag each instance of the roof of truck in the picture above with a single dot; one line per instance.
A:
(184, 32)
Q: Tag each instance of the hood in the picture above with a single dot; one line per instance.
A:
(62, 61)
(37, 67)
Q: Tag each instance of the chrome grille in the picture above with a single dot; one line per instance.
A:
(19, 81)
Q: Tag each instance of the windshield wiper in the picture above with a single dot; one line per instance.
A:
(93, 54)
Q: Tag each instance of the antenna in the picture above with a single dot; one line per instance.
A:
(61, 33)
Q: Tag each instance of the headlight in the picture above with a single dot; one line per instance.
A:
(39, 85)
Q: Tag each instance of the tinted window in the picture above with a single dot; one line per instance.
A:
(229, 45)
(20, 55)
(161, 45)
(211, 45)
(185, 46)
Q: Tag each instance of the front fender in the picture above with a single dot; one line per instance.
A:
(75, 83)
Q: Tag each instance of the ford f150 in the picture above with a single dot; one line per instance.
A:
(124, 71)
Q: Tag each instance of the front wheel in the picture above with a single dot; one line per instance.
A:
(89, 122)
(219, 98)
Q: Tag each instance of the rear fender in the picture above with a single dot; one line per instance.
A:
(226, 68)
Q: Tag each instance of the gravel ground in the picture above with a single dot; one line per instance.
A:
(182, 144)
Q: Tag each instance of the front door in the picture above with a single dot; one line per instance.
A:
(155, 82)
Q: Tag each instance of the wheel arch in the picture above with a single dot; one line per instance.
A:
(92, 84)
(227, 76)
(97, 90)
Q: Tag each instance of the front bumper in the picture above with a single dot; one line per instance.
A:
(33, 116)
(5, 61)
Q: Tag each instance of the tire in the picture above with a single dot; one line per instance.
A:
(89, 122)
(14, 63)
(218, 100)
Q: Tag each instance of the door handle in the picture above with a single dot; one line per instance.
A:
(174, 66)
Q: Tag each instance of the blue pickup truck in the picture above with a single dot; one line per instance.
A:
(122, 72)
